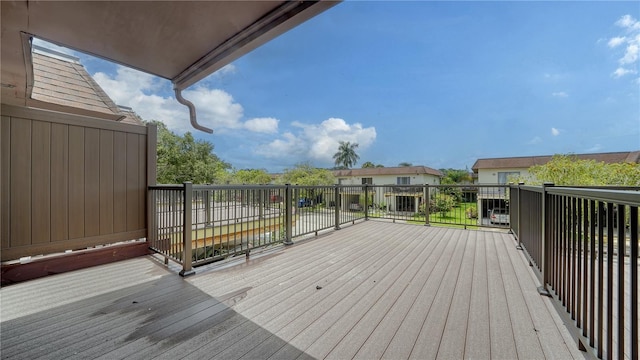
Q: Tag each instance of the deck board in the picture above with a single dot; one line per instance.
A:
(478, 332)
(452, 345)
(427, 343)
(524, 333)
(503, 345)
(387, 291)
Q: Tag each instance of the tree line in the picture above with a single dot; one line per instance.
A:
(184, 158)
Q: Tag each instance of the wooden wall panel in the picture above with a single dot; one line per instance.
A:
(41, 182)
(119, 181)
(59, 182)
(5, 189)
(20, 182)
(67, 183)
(92, 182)
(142, 181)
(132, 182)
(76, 182)
(106, 182)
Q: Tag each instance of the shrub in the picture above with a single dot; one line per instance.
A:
(472, 213)
(442, 203)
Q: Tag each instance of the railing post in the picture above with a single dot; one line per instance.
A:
(186, 230)
(546, 237)
(207, 206)
(426, 205)
(366, 202)
(288, 212)
(337, 206)
(519, 219)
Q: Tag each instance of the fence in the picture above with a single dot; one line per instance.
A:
(199, 224)
(584, 245)
(465, 206)
(71, 182)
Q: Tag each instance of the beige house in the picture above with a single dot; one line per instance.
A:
(392, 188)
(499, 170)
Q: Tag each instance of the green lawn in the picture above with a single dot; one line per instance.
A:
(456, 216)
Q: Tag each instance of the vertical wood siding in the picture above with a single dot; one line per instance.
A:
(69, 182)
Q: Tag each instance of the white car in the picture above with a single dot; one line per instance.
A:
(499, 216)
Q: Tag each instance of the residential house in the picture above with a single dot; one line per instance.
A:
(500, 171)
(395, 195)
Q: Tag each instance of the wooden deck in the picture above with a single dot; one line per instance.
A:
(372, 290)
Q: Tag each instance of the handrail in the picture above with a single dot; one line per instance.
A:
(577, 238)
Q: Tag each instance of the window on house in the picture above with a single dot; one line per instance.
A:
(504, 177)
(341, 181)
(403, 180)
(367, 181)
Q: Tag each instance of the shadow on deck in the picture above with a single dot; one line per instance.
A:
(375, 290)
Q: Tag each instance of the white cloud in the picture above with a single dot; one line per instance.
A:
(628, 22)
(631, 54)
(622, 72)
(215, 108)
(319, 141)
(555, 132)
(613, 42)
(560, 94)
(262, 125)
(535, 140)
(227, 69)
(631, 40)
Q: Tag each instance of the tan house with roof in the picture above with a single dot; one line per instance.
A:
(395, 194)
(498, 170)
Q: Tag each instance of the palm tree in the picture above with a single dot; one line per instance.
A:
(346, 155)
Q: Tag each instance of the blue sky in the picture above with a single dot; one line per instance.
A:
(439, 84)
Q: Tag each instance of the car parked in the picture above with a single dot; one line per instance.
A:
(499, 216)
(304, 202)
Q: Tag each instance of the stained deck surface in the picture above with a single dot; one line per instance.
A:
(372, 290)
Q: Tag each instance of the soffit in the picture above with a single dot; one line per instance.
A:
(183, 41)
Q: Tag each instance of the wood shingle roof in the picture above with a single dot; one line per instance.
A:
(61, 80)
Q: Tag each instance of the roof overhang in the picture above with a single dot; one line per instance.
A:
(183, 41)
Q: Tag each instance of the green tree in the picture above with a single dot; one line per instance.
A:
(305, 174)
(183, 158)
(250, 176)
(455, 176)
(405, 164)
(346, 154)
(369, 165)
(568, 170)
